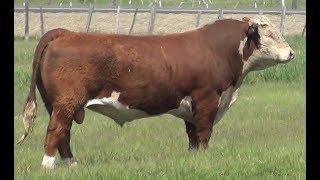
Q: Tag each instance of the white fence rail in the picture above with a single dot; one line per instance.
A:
(159, 10)
(152, 10)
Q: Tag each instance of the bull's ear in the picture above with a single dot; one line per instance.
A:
(253, 35)
(252, 29)
(245, 19)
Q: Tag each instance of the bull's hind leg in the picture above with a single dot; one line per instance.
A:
(64, 146)
(58, 135)
(192, 135)
(65, 150)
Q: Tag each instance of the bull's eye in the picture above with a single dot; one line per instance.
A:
(271, 35)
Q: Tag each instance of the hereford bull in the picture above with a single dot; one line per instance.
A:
(194, 75)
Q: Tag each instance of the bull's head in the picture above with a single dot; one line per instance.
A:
(264, 45)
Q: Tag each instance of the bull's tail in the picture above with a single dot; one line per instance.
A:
(29, 116)
(30, 108)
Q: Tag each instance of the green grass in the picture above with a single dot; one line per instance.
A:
(174, 3)
(262, 135)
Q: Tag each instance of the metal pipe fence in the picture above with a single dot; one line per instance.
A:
(153, 10)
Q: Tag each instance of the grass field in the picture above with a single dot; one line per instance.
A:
(174, 3)
(262, 135)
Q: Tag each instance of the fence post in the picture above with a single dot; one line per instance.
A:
(294, 4)
(204, 2)
(220, 14)
(283, 16)
(41, 21)
(117, 20)
(89, 17)
(26, 22)
(260, 11)
(234, 7)
(198, 18)
(304, 29)
(133, 20)
(114, 3)
(152, 18)
(255, 4)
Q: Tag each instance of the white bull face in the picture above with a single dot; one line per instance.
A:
(272, 49)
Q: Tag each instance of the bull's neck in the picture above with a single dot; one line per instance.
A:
(226, 42)
(223, 38)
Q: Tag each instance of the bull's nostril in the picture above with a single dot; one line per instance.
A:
(291, 55)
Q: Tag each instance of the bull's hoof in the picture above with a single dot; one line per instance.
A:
(71, 162)
(48, 167)
(74, 164)
(192, 148)
(203, 147)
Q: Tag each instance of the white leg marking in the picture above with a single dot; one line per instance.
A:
(48, 162)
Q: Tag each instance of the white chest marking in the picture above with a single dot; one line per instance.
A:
(120, 113)
(241, 46)
(228, 97)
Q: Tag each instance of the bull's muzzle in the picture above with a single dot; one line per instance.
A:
(291, 55)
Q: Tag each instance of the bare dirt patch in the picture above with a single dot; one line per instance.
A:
(164, 24)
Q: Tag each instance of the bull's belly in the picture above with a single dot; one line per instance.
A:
(120, 116)
(120, 113)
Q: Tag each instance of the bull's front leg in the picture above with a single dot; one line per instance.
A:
(192, 135)
(205, 109)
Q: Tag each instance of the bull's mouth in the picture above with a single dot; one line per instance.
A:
(284, 61)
